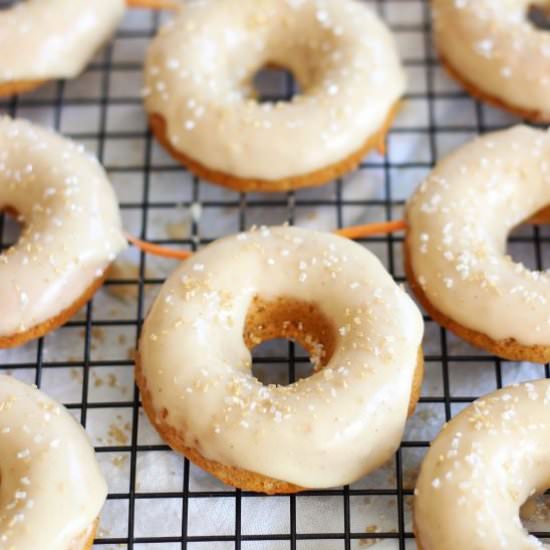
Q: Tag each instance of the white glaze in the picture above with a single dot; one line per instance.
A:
(494, 47)
(198, 73)
(72, 228)
(48, 39)
(51, 489)
(481, 468)
(325, 430)
(459, 220)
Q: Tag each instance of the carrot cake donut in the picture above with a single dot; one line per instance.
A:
(71, 230)
(485, 463)
(200, 96)
(493, 50)
(326, 292)
(51, 488)
(458, 222)
(42, 40)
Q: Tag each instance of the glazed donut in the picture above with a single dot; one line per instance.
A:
(43, 40)
(51, 488)
(200, 97)
(325, 292)
(481, 468)
(71, 230)
(492, 49)
(456, 262)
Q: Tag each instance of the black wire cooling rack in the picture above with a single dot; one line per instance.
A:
(103, 110)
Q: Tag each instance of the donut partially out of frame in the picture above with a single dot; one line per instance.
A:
(481, 468)
(201, 99)
(51, 488)
(329, 294)
(43, 40)
(458, 223)
(496, 53)
(71, 230)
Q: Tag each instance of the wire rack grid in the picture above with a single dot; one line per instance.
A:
(157, 500)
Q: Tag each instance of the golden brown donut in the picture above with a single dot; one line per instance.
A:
(325, 292)
(31, 52)
(455, 257)
(51, 486)
(71, 230)
(496, 53)
(202, 103)
(481, 468)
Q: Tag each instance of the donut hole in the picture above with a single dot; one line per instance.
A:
(516, 247)
(11, 227)
(280, 362)
(535, 514)
(271, 324)
(522, 235)
(273, 83)
(538, 15)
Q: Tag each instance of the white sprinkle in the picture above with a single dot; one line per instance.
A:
(23, 298)
(485, 47)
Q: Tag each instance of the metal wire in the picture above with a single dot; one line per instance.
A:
(104, 72)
